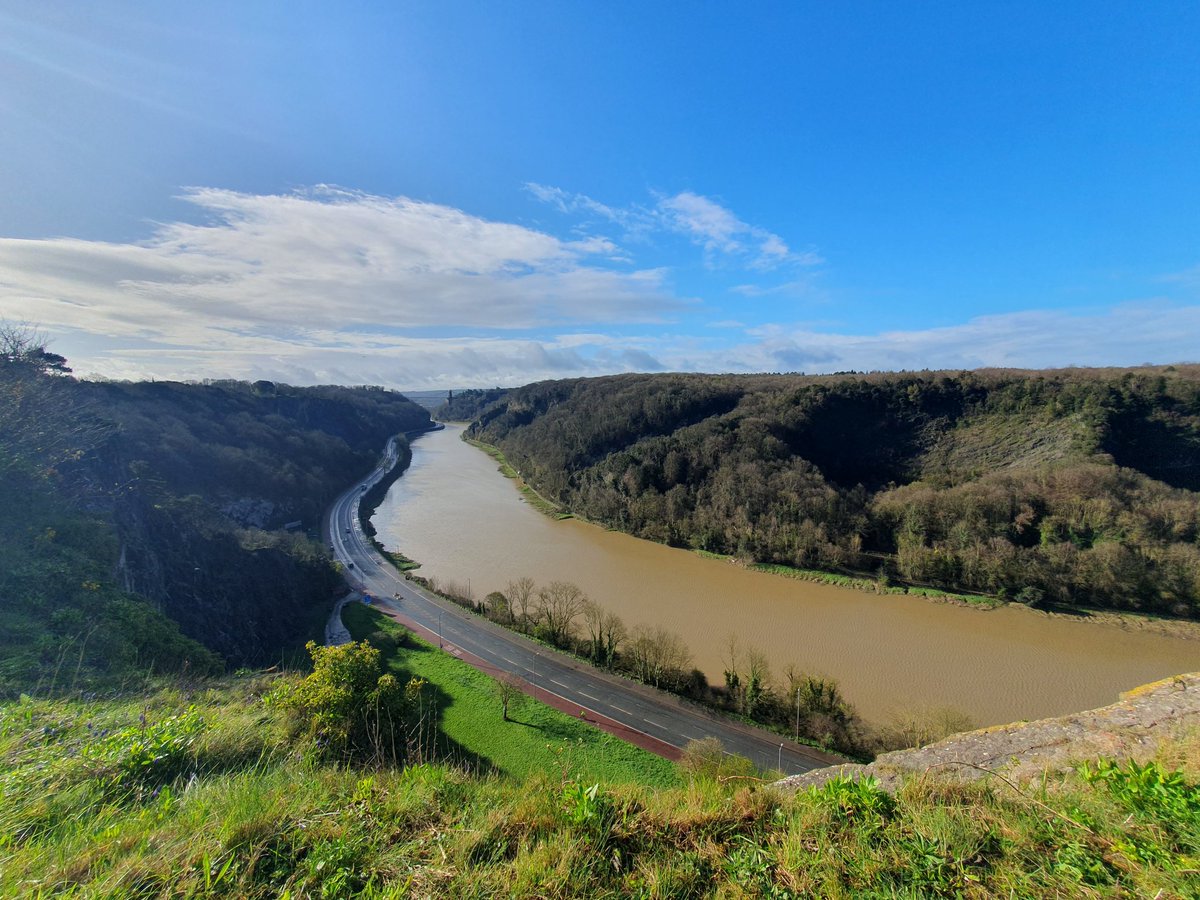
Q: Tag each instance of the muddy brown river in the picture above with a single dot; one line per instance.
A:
(464, 522)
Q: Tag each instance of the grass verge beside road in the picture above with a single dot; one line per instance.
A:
(537, 739)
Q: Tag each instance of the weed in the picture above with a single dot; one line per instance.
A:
(856, 801)
(1148, 790)
(751, 867)
(585, 807)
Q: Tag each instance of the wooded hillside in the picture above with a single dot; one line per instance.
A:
(1066, 486)
(132, 512)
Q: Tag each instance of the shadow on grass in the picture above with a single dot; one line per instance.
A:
(395, 643)
(515, 721)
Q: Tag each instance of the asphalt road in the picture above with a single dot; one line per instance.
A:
(635, 707)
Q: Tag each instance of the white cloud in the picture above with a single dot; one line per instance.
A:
(566, 202)
(326, 259)
(708, 223)
(798, 287)
(1125, 335)
(701, 219)
(335, 286)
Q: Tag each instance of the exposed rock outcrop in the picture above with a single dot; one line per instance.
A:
(1131, 728)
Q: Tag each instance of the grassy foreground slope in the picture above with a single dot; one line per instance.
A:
(202, 790)
(1074, 487)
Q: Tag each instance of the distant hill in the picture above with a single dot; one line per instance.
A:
(464, 406)
(431, 400)
(1065, 486)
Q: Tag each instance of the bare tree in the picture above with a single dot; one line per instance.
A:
(758, 680)
(43, 420)
(593, 617)
(559, 604)
(520, 600)
(660, 657)
(613, 633)
(24, 346)
(508, 688)
(606, 632)
(733, 669)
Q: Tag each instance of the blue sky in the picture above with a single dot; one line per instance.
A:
(452, 194)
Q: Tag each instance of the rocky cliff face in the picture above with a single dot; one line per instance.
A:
(200, 481)
(1132, 728)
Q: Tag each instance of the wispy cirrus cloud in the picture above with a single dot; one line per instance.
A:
(720, 232)
(705, 222)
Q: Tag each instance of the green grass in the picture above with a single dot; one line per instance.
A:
(538, 739)
(532, 497)
(397, 559)
(198, 788)
(239, 813)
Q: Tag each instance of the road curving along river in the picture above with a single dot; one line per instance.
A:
(465, 523)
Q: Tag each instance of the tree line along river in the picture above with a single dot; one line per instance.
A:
(453, 512)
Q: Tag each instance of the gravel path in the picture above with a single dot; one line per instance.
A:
(335, 632)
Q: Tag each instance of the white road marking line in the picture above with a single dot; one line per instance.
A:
(655, 724)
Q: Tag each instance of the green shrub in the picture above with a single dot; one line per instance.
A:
(348, 708)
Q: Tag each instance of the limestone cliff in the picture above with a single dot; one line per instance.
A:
(1132, 728)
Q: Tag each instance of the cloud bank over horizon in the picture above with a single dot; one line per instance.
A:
(330, 285)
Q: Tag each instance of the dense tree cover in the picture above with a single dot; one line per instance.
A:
(122, 502)
(63, 620)
(1071, 486)
(266, 454)
(200, 478)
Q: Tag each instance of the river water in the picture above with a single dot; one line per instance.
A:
(454, 513)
